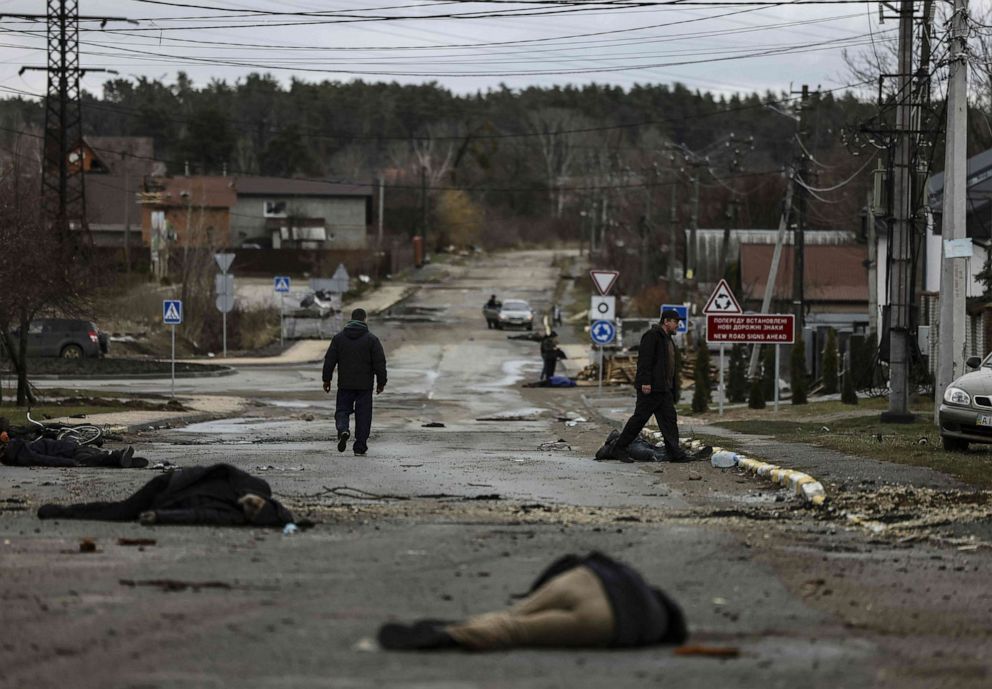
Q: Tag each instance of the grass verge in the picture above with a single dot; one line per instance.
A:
(915, 444)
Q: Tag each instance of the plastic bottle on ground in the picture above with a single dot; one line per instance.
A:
(724, 459)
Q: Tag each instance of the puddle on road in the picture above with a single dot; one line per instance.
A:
(513, 372)
(290, 404)
(409, 313)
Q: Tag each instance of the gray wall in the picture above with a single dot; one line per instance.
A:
(344, 218)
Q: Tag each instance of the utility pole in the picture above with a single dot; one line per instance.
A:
(766, 301)
(647, 228)
(953, 281)
(900, 247)
(127, 216)
(382, 203)
(673, 218)
(62, 185)
(423, 206)
(799, 236)
(693, 250)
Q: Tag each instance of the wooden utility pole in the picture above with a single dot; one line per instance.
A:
(900, 246)
(953, 280)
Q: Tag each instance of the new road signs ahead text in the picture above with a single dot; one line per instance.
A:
(751, 328)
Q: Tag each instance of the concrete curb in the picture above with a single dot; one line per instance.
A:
(174, 421)
(135, 376)
(406, 294)
(803, 485)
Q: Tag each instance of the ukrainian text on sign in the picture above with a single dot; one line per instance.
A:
(750, 328)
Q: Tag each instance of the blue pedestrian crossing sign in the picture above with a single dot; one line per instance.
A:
(602, 332)
(281, 283)
(683, 315)
(172, 311)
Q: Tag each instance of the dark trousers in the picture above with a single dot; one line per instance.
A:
(550, 364)
(662, 406)
(359, 403)
(123, 511)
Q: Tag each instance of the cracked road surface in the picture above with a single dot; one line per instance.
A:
(447, 521)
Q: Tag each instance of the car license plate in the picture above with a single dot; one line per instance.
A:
(984, 420)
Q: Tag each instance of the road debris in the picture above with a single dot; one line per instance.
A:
(171, 585)
(708, 651)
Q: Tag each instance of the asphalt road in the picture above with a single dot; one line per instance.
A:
(444, 522)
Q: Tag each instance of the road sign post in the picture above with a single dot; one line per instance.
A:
(721, 302)
(751, 328)
(225, 304)
(603, 280)
(172, 314)
(602, 332)
(281, 285)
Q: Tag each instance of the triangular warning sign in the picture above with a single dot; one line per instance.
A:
(722, 300)
(604, 280)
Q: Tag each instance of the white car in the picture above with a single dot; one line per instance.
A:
(516, 313)
(966, 411)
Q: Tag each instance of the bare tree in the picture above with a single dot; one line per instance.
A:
(39, 267)
(554, 130)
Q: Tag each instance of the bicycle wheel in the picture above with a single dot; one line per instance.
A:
(84, 435)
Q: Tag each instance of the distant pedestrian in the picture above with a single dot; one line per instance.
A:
(656, 382)
(556, 315)
(361, 364)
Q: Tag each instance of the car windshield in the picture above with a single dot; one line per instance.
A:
(515, 306)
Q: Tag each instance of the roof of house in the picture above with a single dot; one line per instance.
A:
(832, 273)
(283, 186)
(135, 154)
(196, 191)
(979, 170)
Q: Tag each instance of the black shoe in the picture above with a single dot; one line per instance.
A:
(127, 457)
(419, 636)
(343, 440)
(681, 459)
(360, 453)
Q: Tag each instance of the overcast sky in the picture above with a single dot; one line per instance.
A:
(726, 49)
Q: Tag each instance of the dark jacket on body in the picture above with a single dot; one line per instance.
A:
(358, 356)
(643, 615)
(652, 362)
(43, 452)
(193, 495)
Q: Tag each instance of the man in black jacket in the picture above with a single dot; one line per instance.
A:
(358, 355)
(656, 382)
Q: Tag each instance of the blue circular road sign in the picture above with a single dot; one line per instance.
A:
(602, 332)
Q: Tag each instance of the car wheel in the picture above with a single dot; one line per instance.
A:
(72, 352)
(954, 444)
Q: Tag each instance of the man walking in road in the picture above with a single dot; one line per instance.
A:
(656, 382)
(358, 356)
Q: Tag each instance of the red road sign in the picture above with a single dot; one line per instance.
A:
(751, 328)
(604, 280)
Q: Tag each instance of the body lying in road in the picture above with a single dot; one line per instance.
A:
(219, 494)
(577, 602)
(49, 452)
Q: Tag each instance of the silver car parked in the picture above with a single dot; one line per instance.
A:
(516, 313)
(966, 411)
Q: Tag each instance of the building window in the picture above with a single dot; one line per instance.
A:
(275, 209)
